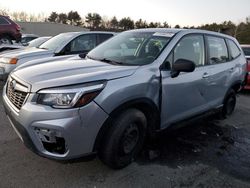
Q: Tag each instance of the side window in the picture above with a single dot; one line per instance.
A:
(83, 43)
(27, 39)
(3, 21)
(191, 48)
(235, 51)
(103, 37)
(217, 50)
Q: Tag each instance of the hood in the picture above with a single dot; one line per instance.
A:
(47, 60)
(62, 73)
(5, 48)
(26, 52)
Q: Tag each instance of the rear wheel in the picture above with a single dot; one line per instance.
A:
(229, 104)
(5, 40)
(124, 139)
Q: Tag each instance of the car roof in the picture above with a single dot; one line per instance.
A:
(4, 16)
(29, 35)
(175, 31)
(87, 32)
(161, 30)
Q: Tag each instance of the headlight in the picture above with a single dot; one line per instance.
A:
(8, 60)
(71, 96)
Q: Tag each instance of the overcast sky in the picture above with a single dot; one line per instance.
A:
(183, 12)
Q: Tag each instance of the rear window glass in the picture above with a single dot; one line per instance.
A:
(3, 21)
(235, 51)
(246, 50)
(217, 50)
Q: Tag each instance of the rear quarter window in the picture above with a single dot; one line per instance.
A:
(3, 21)
(235, 51)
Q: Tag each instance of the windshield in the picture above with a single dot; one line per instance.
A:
(37, 42)
(131, 48)
(57, 41)
(246, 50)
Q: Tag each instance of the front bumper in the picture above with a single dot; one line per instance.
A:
(79, 127)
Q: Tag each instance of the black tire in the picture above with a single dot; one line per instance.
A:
(5, 40)
(229, 103)
(124, 139)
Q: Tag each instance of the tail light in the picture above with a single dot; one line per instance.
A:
(18, 28)
(248, 65)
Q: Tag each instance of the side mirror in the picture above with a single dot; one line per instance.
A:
(25, 43)
(182, 65)
(83, 55)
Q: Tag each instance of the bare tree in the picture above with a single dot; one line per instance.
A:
(4, 12)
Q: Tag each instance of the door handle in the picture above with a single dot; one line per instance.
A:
(205, 75)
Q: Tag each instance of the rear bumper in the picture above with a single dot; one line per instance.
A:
(18, 37)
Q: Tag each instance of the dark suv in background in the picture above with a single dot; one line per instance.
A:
(9, 30)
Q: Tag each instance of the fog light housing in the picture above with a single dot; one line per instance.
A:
(52, 140)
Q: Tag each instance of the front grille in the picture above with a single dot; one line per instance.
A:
(16, 93)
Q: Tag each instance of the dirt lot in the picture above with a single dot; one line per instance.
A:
(207, 153)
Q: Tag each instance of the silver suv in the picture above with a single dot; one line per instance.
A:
(126, 89)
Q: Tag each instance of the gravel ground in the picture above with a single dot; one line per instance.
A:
(207, 153)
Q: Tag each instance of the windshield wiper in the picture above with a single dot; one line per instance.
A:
(113, 62)
(43, 48)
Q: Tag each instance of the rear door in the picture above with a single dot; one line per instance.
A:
(220, 69)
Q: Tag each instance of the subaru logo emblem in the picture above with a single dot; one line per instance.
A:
(13, 85)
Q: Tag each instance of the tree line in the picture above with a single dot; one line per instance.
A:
(95, 21)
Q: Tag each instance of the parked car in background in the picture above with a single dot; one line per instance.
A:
(38, 41)
(48, 60)
(246, 49)
(130, 87)
(26, 38)
(9, 30)
(34, 43)
(61, 45)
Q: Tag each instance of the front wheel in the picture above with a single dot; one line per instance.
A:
(124, 139)
(229, 104)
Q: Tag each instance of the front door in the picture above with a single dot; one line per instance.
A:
(184, 95)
